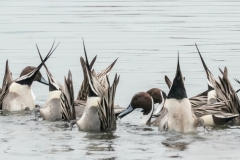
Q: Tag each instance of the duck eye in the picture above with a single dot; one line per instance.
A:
(136, 98)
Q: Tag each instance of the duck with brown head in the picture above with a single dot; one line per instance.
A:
(39, 78)
(143, 101)
(19, 95)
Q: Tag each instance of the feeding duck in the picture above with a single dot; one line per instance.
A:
(212, 114)
(177, 114)
(99, 111)
(16, 95)
(221, 95)
(52, 110)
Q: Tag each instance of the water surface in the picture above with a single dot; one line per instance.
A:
(146, 36)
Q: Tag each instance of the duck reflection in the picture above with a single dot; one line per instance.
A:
(175, 142)
(100, 141)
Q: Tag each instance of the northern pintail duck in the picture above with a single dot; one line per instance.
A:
(102, 78)
(221, 95)
(211, 114)
(177, 114)
(226, 93)
(51, 110)
(99, 111)
(210, 93)
(143, 101)
(17, 94)
(159, 97)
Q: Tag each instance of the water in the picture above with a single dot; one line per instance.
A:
(146, 36)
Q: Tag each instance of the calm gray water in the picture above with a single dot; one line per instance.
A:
(146, 36)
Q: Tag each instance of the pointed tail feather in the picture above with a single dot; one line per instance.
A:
(53, 83)
(210, 77)
(33, 73)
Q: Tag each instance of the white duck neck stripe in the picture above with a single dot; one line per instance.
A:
(145, 118)
(160, 105)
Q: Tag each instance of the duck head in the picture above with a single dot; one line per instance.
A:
(143, 101)
(38, 76)
(158, 96)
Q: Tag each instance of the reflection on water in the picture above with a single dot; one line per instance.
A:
(100, 143)
(146, 36)
(101, 136)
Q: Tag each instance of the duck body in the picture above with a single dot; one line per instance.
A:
(179, 117)
(90, 118)
(17, 95)
(52, 110)
(19, 98)
(178, 111)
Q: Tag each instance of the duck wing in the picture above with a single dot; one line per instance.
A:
(7, 81)
(67, 99)
(226, 92)
(83, 92)
(106, 107)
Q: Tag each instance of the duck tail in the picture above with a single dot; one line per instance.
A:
(30, 76)
(53, 83)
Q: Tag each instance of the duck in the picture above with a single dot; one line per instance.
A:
(211, 114)
(52, 111)
(143, 101)
(17, 95)
(221, 92)
(177, 114)
(159, 97)
(99, 113)
(210, 93)
(226, 93)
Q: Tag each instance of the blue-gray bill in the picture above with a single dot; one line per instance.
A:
(42, 80)
(126, 112)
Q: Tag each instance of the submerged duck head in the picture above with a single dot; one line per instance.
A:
(143, 101)
(38, 76)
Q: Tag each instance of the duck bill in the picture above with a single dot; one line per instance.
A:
(43, 81)
(126, 112)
